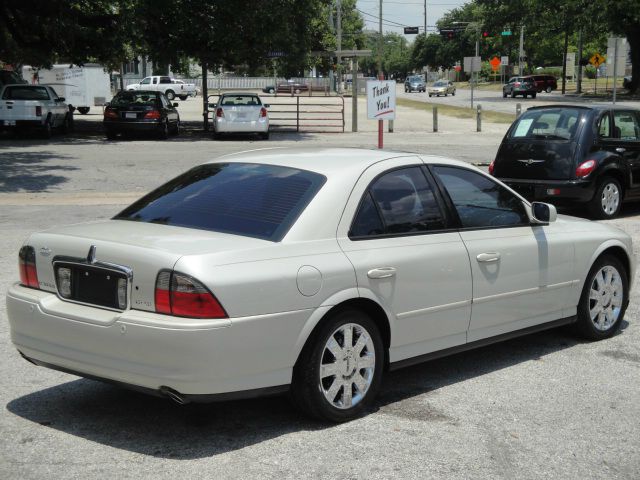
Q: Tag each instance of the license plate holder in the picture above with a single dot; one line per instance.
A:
(10, 123)
(130, 115)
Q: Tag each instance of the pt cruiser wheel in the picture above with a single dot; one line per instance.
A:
(604, 299)
(338, 373)
(607, 200)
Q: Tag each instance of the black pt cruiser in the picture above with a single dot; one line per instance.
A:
(573, 154)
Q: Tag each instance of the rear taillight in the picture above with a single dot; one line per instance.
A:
(153, 114)
(491, 167)
(183, 296)
(109, 113)
(27, 266)
(38, 111)
(219, 113)
(585, 168)
(263, 112)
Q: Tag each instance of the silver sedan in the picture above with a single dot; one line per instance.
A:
(442, 87)
(240, 113)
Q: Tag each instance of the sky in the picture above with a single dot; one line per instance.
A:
(399, 13)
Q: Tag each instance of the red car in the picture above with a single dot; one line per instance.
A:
(544, 83)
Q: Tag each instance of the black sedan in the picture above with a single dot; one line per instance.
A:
(571, 154)
(141, 112)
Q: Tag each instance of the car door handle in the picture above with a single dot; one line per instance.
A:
(488, 257)
(621, 150)
(382, 272)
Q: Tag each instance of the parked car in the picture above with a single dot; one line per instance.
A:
(519, 86)
(310, 270)
(240, 113)
(33, 107)
(442, 87)
(141, 112)
(574, 155)
(544, 83)
(167, 85)
(287, 87)
(414, 83)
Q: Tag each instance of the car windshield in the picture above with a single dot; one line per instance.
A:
(440, 84)
(253, 200)
(415, 79)
(547, 124)
(25, 92)
(238, 100)
(125, 99)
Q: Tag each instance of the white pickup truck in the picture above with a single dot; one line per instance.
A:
(170, 87)
(33, 107)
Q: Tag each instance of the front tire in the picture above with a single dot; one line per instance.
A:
(607, 200)
(83, 110)
(170, 94)
(183, 97)
(164, 130)
(339, 371)
(549, 89)
(604, 299)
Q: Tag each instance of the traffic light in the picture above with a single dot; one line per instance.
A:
(448, 34)
(485, 34)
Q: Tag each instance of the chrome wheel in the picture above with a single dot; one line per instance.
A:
(605, 298)
(347, 366)
(610, 198)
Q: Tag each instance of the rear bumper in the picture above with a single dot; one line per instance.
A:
(12, 124)
(553, 191)
(152, 352)
(131, 126)
(255, 126)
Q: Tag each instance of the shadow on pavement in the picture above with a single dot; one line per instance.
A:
(30, 171)
(157, 427)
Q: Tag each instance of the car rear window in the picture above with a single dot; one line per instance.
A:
(253, 200)
(25, 92)
(547, 124)
(238, 100)
(134, 98)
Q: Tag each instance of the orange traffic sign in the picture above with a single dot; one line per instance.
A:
(495, 63)
(596, 60)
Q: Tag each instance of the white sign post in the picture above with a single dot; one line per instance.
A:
(381, 102)
(616, 59)
(472, 65)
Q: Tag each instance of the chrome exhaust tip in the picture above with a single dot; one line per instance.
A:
(173, 395)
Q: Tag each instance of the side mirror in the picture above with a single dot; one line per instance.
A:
(175, 104)
(213, 105)
(266, 105)
(543, 212)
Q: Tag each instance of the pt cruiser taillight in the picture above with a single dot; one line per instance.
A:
(585, 168)
(27, 266)
(184, 296)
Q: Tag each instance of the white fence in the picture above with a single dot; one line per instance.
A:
(241, 83)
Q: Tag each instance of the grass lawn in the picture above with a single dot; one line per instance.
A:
(458, 112)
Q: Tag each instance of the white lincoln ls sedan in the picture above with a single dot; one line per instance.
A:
(311, 271)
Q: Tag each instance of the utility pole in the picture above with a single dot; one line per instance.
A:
(380, 74)
(339, 37)
(521, 51)
(579, 84)
(564, 58)
(425, 19)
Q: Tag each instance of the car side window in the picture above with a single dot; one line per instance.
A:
(155, 80)
(626, 126)
(145, 81)
(604, 126)
(165, 80)
(479, 201)
(399, 202)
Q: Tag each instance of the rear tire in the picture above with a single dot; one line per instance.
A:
(66, 124)
(164, 130)
(183, 97)
(83, 110)
(549, 89)
(264, 136)
(533, 95)
(607, 200)
(504, 94)
(170, 94)
(111, 135)
(47, 129)
(336, 379)
(604, 299)
(513, 94)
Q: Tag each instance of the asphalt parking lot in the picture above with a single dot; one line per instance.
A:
(543, 406)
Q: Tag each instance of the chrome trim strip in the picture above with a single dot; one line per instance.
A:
(437, 308)
(525, 291)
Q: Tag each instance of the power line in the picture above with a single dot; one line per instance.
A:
(378, 18)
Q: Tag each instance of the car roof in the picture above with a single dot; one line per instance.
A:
(586, 107)
(326, 161)
(235, 94)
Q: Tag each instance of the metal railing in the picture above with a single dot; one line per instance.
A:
(306, 114)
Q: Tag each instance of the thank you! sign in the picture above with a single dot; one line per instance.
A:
(381, 99)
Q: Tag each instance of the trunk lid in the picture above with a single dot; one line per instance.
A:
(142, 248)
(242, 113)
(535, 159)
(21, 109)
